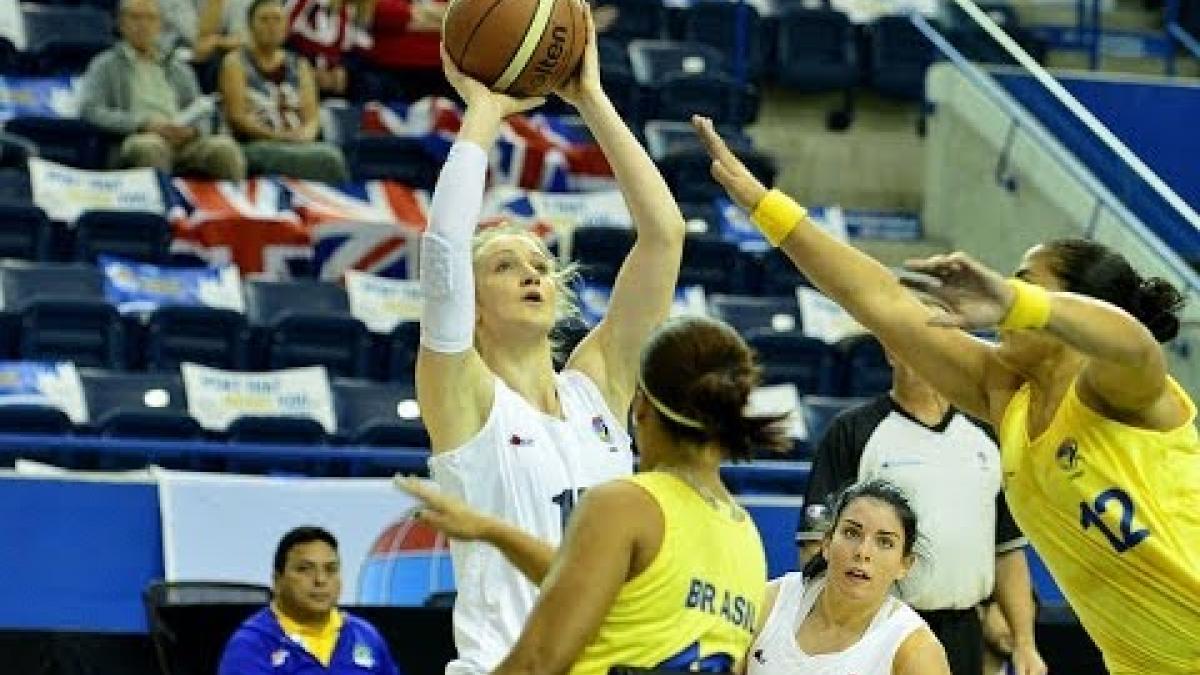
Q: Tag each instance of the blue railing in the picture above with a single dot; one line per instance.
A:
(1118, 180)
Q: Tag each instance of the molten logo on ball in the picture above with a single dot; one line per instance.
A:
(544, 68)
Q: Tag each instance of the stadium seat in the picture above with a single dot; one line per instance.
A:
(729, 26)
(15, 151)
(778, 274)
(398, 158)
(132, 235)
(900, 55)
(402, 346)
(10, 57)
(89, 333)
(715, 264)
(817, 51)
(600, 251)
(209, 336)
(24, 283)
(865, 366)
(138, 405)
(666, 136)
(184, 650)
(24, 232)
(637, 19)
(686, 171)
(73, 142)
(62, 39)
(276, 430)
(34, 419)
(747, 313)
(306, 323)
(819, 412)
(626, 96)
(15, 187)
(792, 357)
(381, 415)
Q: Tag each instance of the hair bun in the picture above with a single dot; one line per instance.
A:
(1158, 303)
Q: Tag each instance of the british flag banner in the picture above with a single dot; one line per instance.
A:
(539, 152)
(284, 228)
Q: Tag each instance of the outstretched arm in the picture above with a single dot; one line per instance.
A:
(1125, 375)
(530, 555)
(454, 387)
(645, 284)
(581, 586)
(963, 368)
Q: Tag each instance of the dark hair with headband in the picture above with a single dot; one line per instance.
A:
(698, 374)
(879, 490)
(1093, 269)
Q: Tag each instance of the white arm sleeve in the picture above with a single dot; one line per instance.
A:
(447, 277)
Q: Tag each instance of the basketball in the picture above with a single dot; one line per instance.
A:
(519, 47)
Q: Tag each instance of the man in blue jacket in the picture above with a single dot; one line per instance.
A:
(302, 632)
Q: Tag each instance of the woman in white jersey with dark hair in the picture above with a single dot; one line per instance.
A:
(510, 436)
(838, 616)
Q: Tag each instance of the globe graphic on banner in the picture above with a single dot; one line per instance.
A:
(408, 562)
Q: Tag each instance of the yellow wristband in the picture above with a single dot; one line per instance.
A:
(1030, 307)
(777, 215)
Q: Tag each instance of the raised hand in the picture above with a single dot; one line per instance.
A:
(584, 83)
(477, 96)
(743, 188)
(968, 294)
(444, 512)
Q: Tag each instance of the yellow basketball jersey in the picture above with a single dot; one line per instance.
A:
(1114, 511)
(695, 607)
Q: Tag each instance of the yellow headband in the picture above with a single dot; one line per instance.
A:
(665, 411)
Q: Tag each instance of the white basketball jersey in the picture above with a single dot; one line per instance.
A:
(775, 651)
(528, 469)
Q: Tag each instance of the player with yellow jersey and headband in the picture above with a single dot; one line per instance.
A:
(1100, 454)
(662, 570)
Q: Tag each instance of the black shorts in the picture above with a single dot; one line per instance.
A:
(961, 633)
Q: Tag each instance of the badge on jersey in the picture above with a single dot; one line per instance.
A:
(278, 658)
(363, 656)
(601, 429)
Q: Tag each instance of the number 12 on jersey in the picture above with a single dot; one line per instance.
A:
(1127, 538)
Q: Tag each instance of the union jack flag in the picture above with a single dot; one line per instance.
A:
(540, 152)
(282, 228)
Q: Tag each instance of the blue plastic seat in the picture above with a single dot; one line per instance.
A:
(715, 264)
(600, 251)
(88, 333)
(209, 336)
(900, 55)
(792, 357)
(308, 323)
(687, 172)
(402, 346)
(730, 27)
(138, 405)
(747, 313)
(817, 50)
(637, 19)
(381, 415)
(25, 232)
(820, 411)
(61, 39)
(24, 283)
(398, 158)
(276, 430)
(867, 371)
(73, 142)
(132, 235)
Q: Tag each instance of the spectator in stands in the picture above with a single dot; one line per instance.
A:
(302, 632)
(949, 466)
(406, 39)
(132, 89)
(270, 101)
(329, 33)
